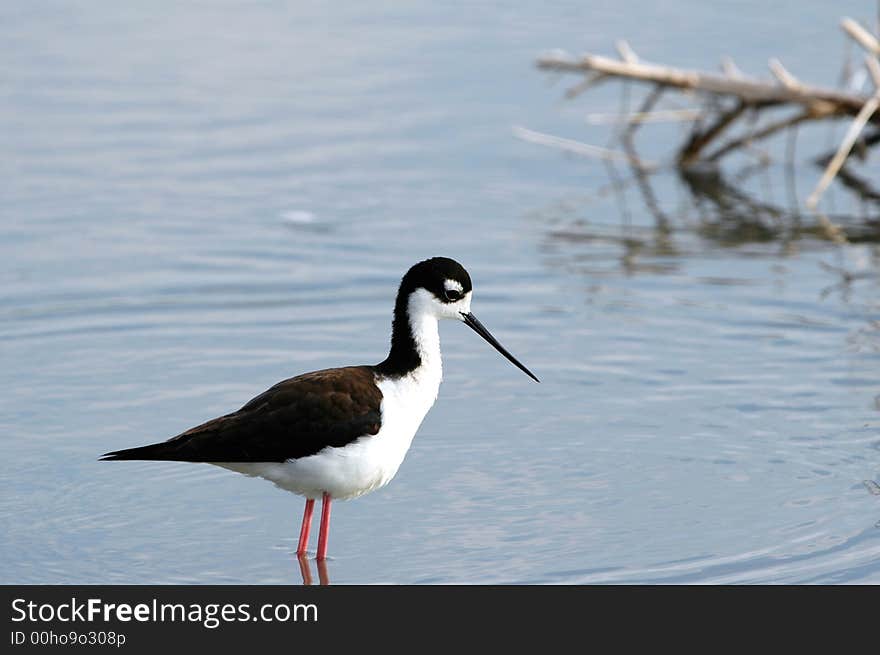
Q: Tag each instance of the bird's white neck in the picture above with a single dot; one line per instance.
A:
(426, 335)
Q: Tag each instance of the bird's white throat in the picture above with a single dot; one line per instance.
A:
(421, 312)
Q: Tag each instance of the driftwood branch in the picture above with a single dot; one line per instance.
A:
(728, 98)
(861, 145)
(640, 174)
(730, 68)
(763, 133)
(579, 148)
(626, 53)
(861, 187)
(861, 36)
(645, 110)
(869, 110)
(660, 116)
(748, 90)
(700, 140)
(785, 78)
(587, 82)
(873, 67)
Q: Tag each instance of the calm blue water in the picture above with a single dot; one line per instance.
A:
(199, 201)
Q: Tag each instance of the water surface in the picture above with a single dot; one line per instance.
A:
(200, 201)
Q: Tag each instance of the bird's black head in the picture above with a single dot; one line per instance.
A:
(440, 288)
(444, 278)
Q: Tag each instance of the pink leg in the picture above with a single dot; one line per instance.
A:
(325, 528)
(306, 527)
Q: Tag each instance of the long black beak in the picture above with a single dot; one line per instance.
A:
(471, 321)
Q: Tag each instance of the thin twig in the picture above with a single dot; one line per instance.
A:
(843, 151)
(588, 82)
(873, 67)
(861, 145)
(785, 78)
(700, 140)
(645, 110)
(861, 36)
(730, 68)
(763, 133)
(641, 177)
(860, 186)
(626, 53)
(660, 116)
(579, 148)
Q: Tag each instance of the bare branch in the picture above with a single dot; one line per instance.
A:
(691, 151)
(763, 133)
(730, 69)
(861, 145)
(626, 53)
(873, 67)
(785, 78)
(633, 123)
(861, 36)
(724, 98)
(859, 185)
(588, 82)
(579, 148)
(659, 116)
(843, 151)
(748, 90)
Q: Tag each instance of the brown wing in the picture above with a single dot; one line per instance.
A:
(295, 418)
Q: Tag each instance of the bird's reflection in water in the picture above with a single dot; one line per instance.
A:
(306, 570)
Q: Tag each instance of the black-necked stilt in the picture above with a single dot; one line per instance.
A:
(340, 432)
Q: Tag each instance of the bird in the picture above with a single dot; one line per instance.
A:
(339, 433)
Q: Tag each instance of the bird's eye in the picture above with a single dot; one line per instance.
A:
(452, 295)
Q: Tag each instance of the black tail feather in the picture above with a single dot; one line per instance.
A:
(157, 451)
